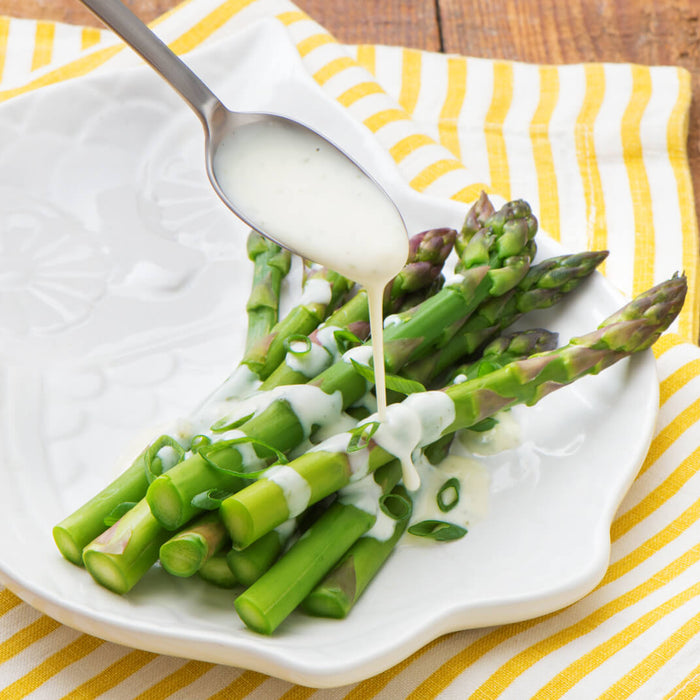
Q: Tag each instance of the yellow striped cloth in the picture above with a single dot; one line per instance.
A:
(600, 152)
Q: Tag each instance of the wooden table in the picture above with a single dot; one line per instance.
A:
(540, 31)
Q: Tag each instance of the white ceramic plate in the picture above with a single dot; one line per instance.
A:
(123, 281)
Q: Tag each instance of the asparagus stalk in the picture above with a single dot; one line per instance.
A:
(341, 588)
(263, 505)
(278, 425)
(505, 349)
(121, 555)
(323, 290)
(82, 526)
(249, 564)
(428, 251)
(215, 570)
(271, 265)
(187, 551)
(544, 285)
(265, 604)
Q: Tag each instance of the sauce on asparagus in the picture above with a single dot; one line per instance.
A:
(311, 198)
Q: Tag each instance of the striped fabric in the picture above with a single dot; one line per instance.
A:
(599, 151)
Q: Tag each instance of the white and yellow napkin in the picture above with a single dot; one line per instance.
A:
(599, 150)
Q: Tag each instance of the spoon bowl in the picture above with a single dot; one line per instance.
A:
(221, 124)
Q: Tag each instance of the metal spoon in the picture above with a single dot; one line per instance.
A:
(218, 121)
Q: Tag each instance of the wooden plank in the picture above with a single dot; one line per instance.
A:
(410, 23)
(650, 32)
(542, 31)
(73, 12)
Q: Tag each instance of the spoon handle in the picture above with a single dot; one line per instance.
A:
(129, 27)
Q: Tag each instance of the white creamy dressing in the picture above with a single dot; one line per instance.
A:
(316, 291)
(505, 435)
(343, 423)
(241, 383)
(474, 488)
(296, 490)
(296, 187)
(308, 360)
(416, 422)
(311, 405)
(364, 495)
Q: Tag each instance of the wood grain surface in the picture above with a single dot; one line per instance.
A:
(651, 32)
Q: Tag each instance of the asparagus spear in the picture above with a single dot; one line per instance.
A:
(216, 570)
(187, 551)
(265, 604)
(121, 555)
(544, 285)
(88, 521)
(428, 251)
(263, 505)
(505, 349)
(323, 290)
(249, 564)
(338, 592)
(271, 265)
(340, 589)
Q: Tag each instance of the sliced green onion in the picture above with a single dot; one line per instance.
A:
(395, 383)
(345, 339)
(224, 424)
(207, 451)
(297, 338)
(396, 507)
(361, 435)
(448, 495)
(483, 426)
(198, 442)
(117, 512)
(437, 530)
(153, 463)
(210, 500)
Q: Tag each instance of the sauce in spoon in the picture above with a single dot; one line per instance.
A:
(308, 196)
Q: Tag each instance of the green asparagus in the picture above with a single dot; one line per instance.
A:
(263, 505)
(216, 570)
(187, 551)
(271, 265)
(82, 526)
(544, 285)
(265, 604)
(341, 588)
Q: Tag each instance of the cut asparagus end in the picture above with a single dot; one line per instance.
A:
(239, 523)
(185, 555)
(165, 502)
(249, 564)
(236, 512)
(67, 545)
(107, 572)
(217, 571)
(254, 618)
(327, 602)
